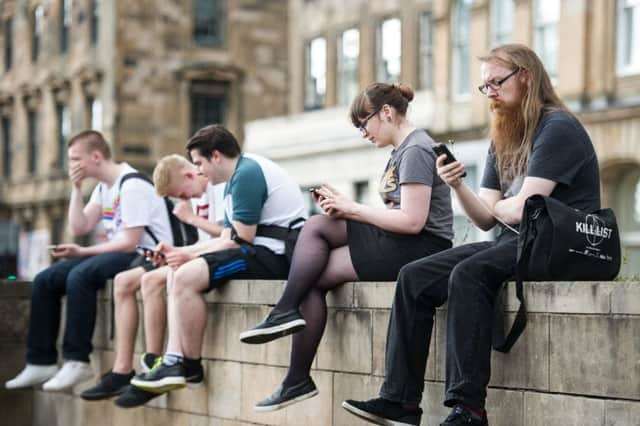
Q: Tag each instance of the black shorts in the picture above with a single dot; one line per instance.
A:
(141, 260)
(378, 255)
(247, 262)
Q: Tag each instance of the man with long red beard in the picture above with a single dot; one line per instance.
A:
(538, 147)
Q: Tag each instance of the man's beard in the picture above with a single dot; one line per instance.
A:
(507, 132)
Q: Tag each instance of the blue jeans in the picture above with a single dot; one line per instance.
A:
(469, 277)
(80, 280)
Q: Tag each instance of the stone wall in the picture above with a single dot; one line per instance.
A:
(578, 362)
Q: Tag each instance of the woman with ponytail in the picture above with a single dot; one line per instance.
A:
(356, 242)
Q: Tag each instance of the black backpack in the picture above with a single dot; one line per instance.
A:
(183, 233)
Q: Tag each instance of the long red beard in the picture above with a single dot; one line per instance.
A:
(507, 132)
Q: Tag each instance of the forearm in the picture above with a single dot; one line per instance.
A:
(119, 245)
(214, 244)
(78, 222)
(213, 229)
(394, 220)
(510, 209)
(475, 208)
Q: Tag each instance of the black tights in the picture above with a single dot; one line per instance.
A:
(320, 263)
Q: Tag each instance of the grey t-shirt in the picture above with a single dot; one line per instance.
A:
(415, 162)
(562, 152)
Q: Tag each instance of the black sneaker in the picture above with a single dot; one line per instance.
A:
(162, 378)
(147, 361)
(134, 397)
(287, 396)
(194, 373)
(274, 326)
(461, 415)
(110, 384)
(383, 412)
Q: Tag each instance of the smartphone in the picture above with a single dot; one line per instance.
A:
(149, 252)
(441, 149)
(52, 247)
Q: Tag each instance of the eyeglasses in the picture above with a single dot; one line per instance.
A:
(363, 126)
(495, 84)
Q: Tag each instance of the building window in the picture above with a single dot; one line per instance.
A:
(361, 192)
(461, 40)
(426, 51)
(95, 20)
(8, 44)
(315, 73)
(6, 147)
(628, 36)
(36, 35)
(65, 24)
(64, 131)
(389, 51)
(208, 22)
(348, 56)
(208, 103)
(545, 43)
(32, 156)
(502, 17)
(94, 110)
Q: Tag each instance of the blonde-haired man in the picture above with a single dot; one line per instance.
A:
(200, 205)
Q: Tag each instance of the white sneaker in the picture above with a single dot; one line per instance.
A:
(71, 374)
(32, 375)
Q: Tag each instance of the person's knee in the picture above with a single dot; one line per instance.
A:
(183, 283)
(125, 284)
(461, 280)
(152, 285)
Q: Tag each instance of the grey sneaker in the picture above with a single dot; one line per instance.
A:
(147, 361)
(111, 384)
(284, 396)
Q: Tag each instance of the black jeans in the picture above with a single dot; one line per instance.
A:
(80, 280)
(469, 276)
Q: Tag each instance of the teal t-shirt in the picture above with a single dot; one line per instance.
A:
(245, 193)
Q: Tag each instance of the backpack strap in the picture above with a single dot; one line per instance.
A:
(141, 176)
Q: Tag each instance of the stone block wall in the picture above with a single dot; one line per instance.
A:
(578, 362)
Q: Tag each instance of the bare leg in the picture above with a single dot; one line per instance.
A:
(155, 308)
(189, 316)
(125, 286)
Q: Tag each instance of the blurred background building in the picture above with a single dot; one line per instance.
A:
(146, 73)
(281, 75)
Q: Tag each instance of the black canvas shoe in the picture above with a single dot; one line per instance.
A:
(162, 378)
(383, 412)
(287, 396)
(460, 415)
(134, 397)
(273, 327)
(110, 384)
(147, 361)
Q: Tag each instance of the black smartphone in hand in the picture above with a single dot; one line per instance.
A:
(441, 149)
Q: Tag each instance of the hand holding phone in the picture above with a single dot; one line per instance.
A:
(149, 253)
(441, 149)
(52, 247)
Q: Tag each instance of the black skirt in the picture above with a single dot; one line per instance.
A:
(378, 255)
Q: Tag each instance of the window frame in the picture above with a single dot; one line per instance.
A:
(318, 99)
(633, 68)
(551, 68)
(460, 93)
(425, 52)
(219, 13)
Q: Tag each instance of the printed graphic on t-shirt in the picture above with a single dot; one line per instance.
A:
(202, 210)
(389, 188)
(112, 217)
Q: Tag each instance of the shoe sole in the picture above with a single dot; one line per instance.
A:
(265, 335)
(266, 408)
(100, 396)
(160, 386)
(372, 417)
